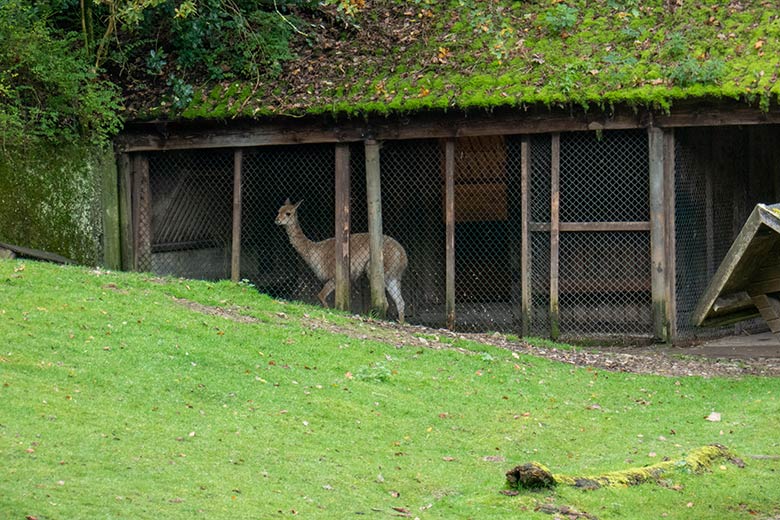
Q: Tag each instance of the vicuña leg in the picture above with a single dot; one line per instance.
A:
(394, 290)
(328, 288)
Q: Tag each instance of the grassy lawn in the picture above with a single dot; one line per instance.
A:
(119, 401)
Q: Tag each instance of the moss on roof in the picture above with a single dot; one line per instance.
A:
(399, 57)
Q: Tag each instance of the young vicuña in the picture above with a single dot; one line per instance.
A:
(321, 257)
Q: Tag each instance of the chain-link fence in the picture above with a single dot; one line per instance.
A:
(190, 212)
(604, 274)
(712, 201)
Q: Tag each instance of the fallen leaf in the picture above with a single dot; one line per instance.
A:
(713, 417)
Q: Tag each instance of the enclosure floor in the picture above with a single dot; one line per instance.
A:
(744, 346)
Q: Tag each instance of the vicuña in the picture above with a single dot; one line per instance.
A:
(321, 257)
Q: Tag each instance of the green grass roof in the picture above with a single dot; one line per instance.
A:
(397, 57)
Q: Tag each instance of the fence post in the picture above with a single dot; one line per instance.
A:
(671, 236)
(342, 227)
(525, 236)
(555, 172)
(235, 256)
(449, 212)
(124, 171)
(658, 272)
(375, 239)
(142, 215)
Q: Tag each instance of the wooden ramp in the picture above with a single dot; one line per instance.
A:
(12, 251)
(747, 283)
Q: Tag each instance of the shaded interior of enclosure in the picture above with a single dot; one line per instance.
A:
(603, 270)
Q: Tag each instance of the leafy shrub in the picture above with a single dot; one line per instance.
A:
(560, 18)
(48, 90)
(694, 72)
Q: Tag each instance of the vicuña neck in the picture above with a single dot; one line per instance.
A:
(298, 238)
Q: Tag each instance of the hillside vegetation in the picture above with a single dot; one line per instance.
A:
(129, 396)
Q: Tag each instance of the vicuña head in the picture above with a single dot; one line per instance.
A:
(321, 257)
(287, 213)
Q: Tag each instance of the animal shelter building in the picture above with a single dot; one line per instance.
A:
(575, 226)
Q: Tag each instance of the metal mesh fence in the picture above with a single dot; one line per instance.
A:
(412, 212)
(190, 211)
(706, 218)
(270, 259)
(539, 199)
(605, 275)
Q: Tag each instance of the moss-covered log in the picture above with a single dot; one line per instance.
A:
(534, 475)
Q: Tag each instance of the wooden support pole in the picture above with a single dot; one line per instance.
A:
(449, 212)
(376, 274)
(235, 254)
(343, 222)
(555, 175)
(658, 273)
(125, 174)
(671, 235)
(142, 215)
(112, 248)
(525, 235)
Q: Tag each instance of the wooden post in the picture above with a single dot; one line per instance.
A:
(449, 212)
(376, 273)
(235, 256)
(124, 171)
(671, 236)
(342, 223)
(112, 249)
(658, 280)
(525, 236)
(142, 215)
(555, 174)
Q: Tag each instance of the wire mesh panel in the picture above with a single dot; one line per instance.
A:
(412, 213)
(604, 275)
(191, 200)
(539, 213)
(487, 233)
(276, 256)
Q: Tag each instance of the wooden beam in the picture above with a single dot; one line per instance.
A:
(235, 255)
(142, 215)
(343, 222)
(670, 228)
(375, 237)
(590, 227)
(124, 172)
(183, 135)
(449, 211)
(112, 247)
(525, 236)
(555, 173)
(658, 281)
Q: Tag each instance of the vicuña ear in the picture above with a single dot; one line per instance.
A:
(299, 203)
(287, 202)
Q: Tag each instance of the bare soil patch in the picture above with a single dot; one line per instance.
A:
(659, 360)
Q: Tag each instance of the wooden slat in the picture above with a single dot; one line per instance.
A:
(235, 257)
(764, 286)
(670, 225)
(658, 280)
(343, 222)
(525, 235)
(124, 172)
(142, 214)
(449, 212)
(185, 135)
(554, 233)
(590, 227)
(374, 201)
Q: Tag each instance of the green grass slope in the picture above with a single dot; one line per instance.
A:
(125, 396)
